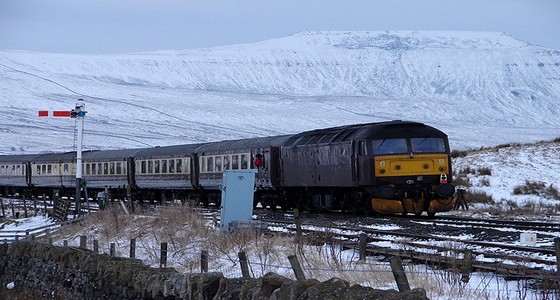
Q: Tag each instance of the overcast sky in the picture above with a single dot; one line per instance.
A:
(114, 26)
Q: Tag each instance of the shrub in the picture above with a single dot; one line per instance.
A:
(538, 188)
(459, 153)
(461, 181)
(485, 171)
(479, 197)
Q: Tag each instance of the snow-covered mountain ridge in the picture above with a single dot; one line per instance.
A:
(482, 88)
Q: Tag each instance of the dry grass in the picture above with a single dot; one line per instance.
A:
(320, 255)
(538, 188)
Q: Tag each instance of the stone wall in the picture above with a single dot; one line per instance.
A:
(41, 271)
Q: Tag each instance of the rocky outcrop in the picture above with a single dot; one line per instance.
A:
(48, 272)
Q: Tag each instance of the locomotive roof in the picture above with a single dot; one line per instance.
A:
(379, 130)
(270, 141)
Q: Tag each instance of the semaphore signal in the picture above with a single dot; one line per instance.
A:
(78, 113)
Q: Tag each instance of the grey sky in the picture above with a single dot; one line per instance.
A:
(113, 26)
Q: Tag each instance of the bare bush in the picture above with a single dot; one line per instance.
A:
(479, 197)
(461, 181)
(538, 188)
(485, 171)
(458, 153)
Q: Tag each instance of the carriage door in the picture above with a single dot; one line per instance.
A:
(263, 174)
(130, 172)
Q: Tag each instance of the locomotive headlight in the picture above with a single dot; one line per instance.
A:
(382, 163)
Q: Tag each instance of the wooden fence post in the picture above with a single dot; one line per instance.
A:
(297, 220)
(244, 265)
(398, 272)
(112, 250)
(362, 246)
(467, 266)
(24, 206)
(133, 248)
(298, 271)
(2, 204)
(65, 243)
(557, 251)
(45, 202)
(34, 204)
(204, 261)
(96, 246)
(163, 259)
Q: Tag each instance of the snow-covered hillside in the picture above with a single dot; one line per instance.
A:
(481, 88)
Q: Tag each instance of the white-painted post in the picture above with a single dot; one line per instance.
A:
(79, 113)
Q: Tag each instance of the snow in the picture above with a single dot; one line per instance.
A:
(468, 84)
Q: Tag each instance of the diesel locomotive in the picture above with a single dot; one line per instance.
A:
(386, 167)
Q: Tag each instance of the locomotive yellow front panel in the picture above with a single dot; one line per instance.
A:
(411, 165)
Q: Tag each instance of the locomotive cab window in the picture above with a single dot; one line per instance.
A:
(427, 145)
(390, 146)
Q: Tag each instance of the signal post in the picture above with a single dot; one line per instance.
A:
(78, 113)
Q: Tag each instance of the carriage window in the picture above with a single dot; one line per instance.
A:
(179, 166)
(244, 161)
(99, 168)
(49, 169)
(106, 168)
(226, 163)
(218, 163)
(164, 166)
(93, 169)
(389, 146)
(235, 162)
(88, 169)
(171, 166)
(150, 166)
(423, 145)
(119, 168)
(210, 164)
(156, 166)
(38, 171)
(112, 168)
(143, 167)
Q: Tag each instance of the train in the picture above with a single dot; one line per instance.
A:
(392, 167)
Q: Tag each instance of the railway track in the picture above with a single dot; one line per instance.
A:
(493, 223)
(434, 247)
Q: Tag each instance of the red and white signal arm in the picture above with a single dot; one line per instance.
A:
(54, 113)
